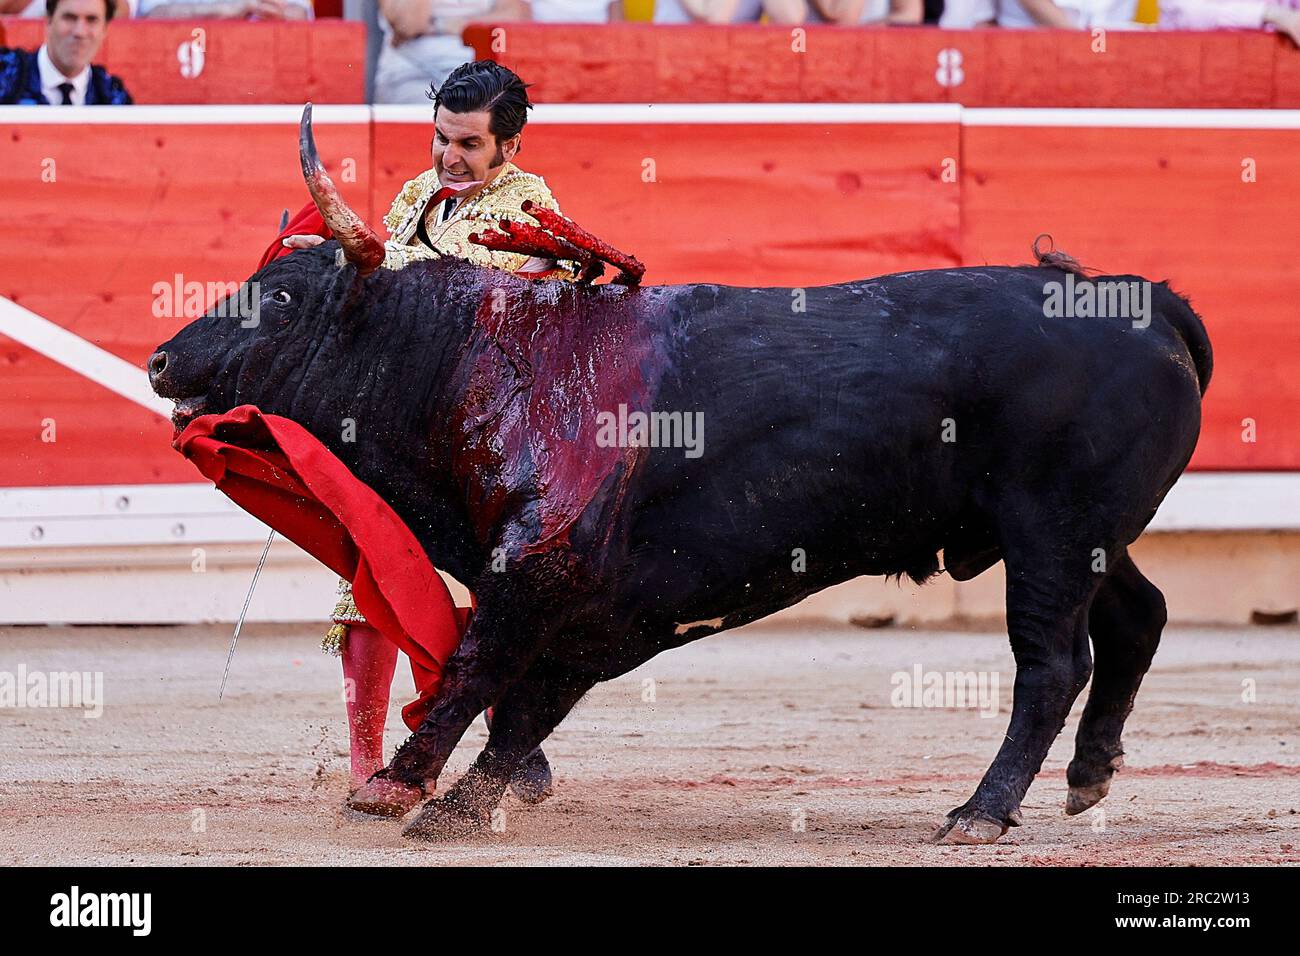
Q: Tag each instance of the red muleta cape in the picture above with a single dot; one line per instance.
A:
(308, 222)
(278, 472)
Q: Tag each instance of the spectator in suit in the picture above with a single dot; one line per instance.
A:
(60, 73)
(36, 8)
(227, 9)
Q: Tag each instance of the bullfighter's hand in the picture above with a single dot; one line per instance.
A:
(302, 242)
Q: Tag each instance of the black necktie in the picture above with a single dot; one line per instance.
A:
(66, 90)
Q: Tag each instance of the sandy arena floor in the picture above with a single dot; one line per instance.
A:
(762, 746)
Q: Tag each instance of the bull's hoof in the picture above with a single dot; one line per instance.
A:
(967, 826)
(532, 782)
(382, 798)
(1081, 798)
(1089, 781)
(441, 821)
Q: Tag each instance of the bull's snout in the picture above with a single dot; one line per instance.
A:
(156, 365)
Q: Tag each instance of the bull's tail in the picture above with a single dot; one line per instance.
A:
(1179, 313)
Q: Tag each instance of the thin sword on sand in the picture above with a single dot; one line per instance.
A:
(284, 222)
(247, 601)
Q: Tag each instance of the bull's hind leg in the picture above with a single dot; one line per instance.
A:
(532, 781)
(1048, 590)
(1125, 621)
(525, 716)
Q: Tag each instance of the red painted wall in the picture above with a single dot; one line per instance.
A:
(739, 203)
(160, 60)
(770, 205)
(632, 62)
(324, 61)
(131, 205)
(1167, 204)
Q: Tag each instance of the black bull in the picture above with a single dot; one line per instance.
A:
(885, 421)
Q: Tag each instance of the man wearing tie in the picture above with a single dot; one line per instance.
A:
(60, 72)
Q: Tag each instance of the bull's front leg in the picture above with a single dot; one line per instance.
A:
(510, 626)
(524, 717)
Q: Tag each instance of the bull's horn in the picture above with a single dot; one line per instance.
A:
(360, 243)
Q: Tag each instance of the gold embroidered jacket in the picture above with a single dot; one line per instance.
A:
(502, 198)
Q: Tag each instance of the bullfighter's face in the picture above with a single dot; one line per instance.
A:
(465, 149)
(74, 33)
(261, 345)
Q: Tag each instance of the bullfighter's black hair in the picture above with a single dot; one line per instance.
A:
(484, 85)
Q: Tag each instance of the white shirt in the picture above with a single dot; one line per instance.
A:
(445, 210)
(51, 78)
(872, 11)
(670, 11)
(145, 7)
(569, 11)
(1085, 13)
(964, 14)
(404, 71)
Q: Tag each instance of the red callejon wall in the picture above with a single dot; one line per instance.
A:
(640, 63)
(1168, 204)
(230, 62)
(216, 61)
(131, 205)
(775, 201)
(737, 203)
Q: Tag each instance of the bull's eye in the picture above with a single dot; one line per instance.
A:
(282, 297)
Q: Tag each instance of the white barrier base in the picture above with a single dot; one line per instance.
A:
(1207, 578)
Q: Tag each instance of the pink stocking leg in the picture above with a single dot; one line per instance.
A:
(369, 662)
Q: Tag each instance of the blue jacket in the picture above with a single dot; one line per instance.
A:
(20, 82)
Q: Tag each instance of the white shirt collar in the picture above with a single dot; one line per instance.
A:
(443, 215)
(51, 78)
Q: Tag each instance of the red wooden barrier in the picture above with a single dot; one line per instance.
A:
(218, 61)
(1167, 204)
(768, 204)
(633, 62)
(132, 205)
